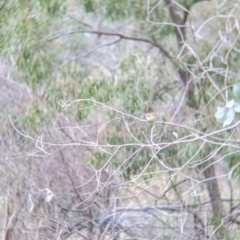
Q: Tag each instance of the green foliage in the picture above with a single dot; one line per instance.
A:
(25, 25)
(88, 5)
(51, 7)
(124, 85)
(83, 111)
(187, 2)
(227, 113)
(116, 10)
(197, 151)
(35, 116)
(130, 89)
(36, 67)
(236, 90)
(59, 90)
(231, 156)
(24, 34)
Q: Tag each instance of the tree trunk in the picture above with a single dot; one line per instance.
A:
(180, 33)
(216, 202)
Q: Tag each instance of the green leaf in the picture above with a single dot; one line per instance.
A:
(236, 90)
(237, 107)
(225, 115)
(230, 117)
(89, 6)
(221, 114)
(230, 104)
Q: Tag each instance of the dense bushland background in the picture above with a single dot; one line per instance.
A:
(79, 160)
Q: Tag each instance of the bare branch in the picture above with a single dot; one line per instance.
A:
(121, 36)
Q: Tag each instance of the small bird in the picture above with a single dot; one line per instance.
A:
(150, 117)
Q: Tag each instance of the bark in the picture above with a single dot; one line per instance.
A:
(216, 202)
(214, 194)
(180, 33)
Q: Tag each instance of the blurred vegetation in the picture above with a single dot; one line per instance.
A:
(49, 47)
(28, 30)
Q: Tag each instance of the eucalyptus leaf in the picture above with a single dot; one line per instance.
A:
(236, 90)
(221, 114)
(237, 107)
(230, 117)
(230, 104)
